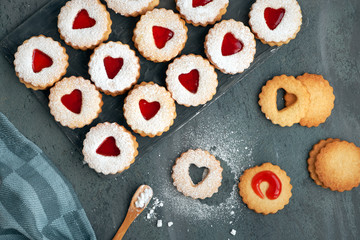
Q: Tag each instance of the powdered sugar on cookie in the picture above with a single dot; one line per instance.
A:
(132, 7)
(127, 75)
(24, 58)
(203, 84)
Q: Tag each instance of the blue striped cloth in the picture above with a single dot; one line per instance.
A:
(36, 201)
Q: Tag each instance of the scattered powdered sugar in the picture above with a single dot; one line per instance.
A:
(144, 198)
(155, 204)
(170, 224)
(233, 232)
(159, 223)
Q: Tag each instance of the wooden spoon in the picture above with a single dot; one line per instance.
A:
(133, 212)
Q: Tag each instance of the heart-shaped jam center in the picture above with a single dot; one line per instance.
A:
(231, 45)
(83, 20)
(113, 66)
(190, 80)
(200, 3)
(40, 61)
(273, 17)
(73, 101)
(108, 148)
(148, 109)
(274, 182)
(161, 36)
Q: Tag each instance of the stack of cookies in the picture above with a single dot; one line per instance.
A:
(335, 164)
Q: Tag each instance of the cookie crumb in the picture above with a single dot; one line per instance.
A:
(233, 232)
(159, 223)
(170, 224)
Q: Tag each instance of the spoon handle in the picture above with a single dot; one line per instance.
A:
(130, 217)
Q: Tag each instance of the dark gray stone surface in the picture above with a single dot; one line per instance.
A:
(234, 130)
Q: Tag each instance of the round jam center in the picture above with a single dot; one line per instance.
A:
(274, 182)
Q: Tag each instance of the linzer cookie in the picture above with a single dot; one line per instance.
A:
(40, 62)
(132, 8)
(114, 68)
(230, 46)
(291, 114)
(84, 24)
(321, 99)
(109, 148)
(75, 102)
(160, 35)
(149, 109)
(208, 185)
(192, 80)
(275, 22)
(202, 12)
(312, 158)
(265, 189)
(337, 166)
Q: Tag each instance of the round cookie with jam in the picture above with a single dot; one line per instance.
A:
(109, 148)
(114, 68)
(40, 62)
(149, 109)
(84, 24)
(75, 102)
(131, 8)
(275, 22)
(192, 80)
(202, 12)
(230, 46)
(160, 35)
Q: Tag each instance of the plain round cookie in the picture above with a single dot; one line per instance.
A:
(147, 95)
(321, 99)
(312, 158)
(338, 166)
(127, 75)
(182, 180)
(264, 205)
(144, 36)
(132, 8)
(88, 37)
(291, 114)
(48, 75)
(214, 42)
(285, 31)
(199, 14)
(198, 74)
(90, 105)
(124, 141)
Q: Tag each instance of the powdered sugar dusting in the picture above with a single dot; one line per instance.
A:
(288, 26)
(151, 93)
(91, 102)
(237, 62)
(129, 7)
(201, 14)
(207, 80)
(144, 40)
(125, 141)
(125, 78)
(86, 37)
(24, 60)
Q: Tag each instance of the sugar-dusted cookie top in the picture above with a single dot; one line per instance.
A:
(132, 8)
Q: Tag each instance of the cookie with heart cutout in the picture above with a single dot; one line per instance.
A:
(75, 102)
(40, 62)
(160, 35)
(84, 24)
(149, 109)
(192, 80)
(202, 12)
(208, 185)
(275, 22)
(114, 68)
(230, 46)
(132, 8)
(109, 148)
(265, 189)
